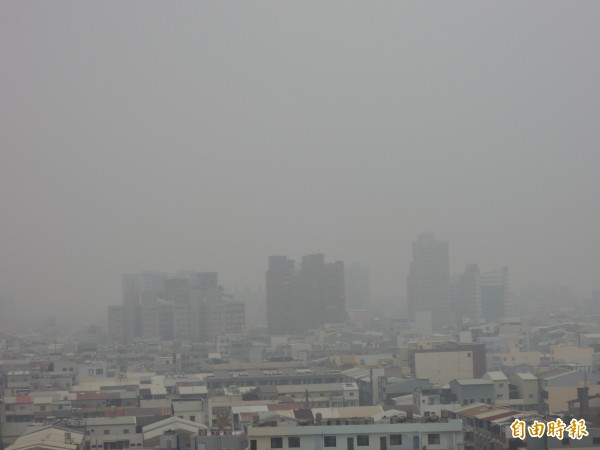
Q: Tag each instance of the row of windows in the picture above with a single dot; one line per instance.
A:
(362, 440)
(125, 431)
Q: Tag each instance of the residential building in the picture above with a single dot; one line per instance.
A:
(494, 295)
(444, 434)
(183, 429)
(442, 364)
(49, 438)
(524, 392)
(304, 298)
(501, 385)
(112, 433)
(488, 427)
(187, 305)
(323, 395)
(428, 281)
(474, 390)
(467, 296)
(16, 413)
(357, 281)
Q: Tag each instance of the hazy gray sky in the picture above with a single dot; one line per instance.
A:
(209, 135)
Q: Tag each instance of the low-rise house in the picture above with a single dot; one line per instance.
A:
(433, 401)
(192, 410)
(446, 435)
(327, 395)
(185, 429)
(17, 382)
(112, 433)
(49, 438)
(501, 385)
(16, 413)
(474, 390)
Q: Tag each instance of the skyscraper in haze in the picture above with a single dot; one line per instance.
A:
(357, 280)
(305, 298)
(494, 294)
(186, 305)
(468, 295)
(428, 281)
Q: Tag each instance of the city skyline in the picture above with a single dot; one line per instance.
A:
(172, 152)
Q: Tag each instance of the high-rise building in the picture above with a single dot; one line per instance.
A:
(305, 298)
(186, 305)
(357, 280)
(428, 281)
(494, 294)
(468, 294)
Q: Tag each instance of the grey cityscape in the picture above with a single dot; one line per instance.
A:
(299, 225)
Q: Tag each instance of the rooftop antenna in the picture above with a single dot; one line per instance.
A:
(306, 400)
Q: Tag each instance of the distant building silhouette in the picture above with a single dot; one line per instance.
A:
(187, 305)
(428, 281)
(494, 295)
(357, 282)
(468, 294)
(305, 298)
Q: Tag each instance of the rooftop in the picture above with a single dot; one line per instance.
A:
(49, 438)
(104, 421)
(526, 376)
(474, 381)
(497, 376)
(323, 387)
(452, 425)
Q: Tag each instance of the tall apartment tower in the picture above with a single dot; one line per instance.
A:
(468, 298)
(186, 305)
(280, 294)
(494, 294)
(357, 281)
(305, 298)
(428, 281)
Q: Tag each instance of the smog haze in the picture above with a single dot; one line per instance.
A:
(208, 136)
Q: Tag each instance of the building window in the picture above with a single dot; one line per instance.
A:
(253, 445)
(126, 431)
(99, 371)
(294, 442)
(329, 441)
(530, 395)
(193, 418)
(596, 440)
(433, 439)
(395, 439)
(276, 442)
(566, 441)
(362, 440)
(106, 432)
(501, 385)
